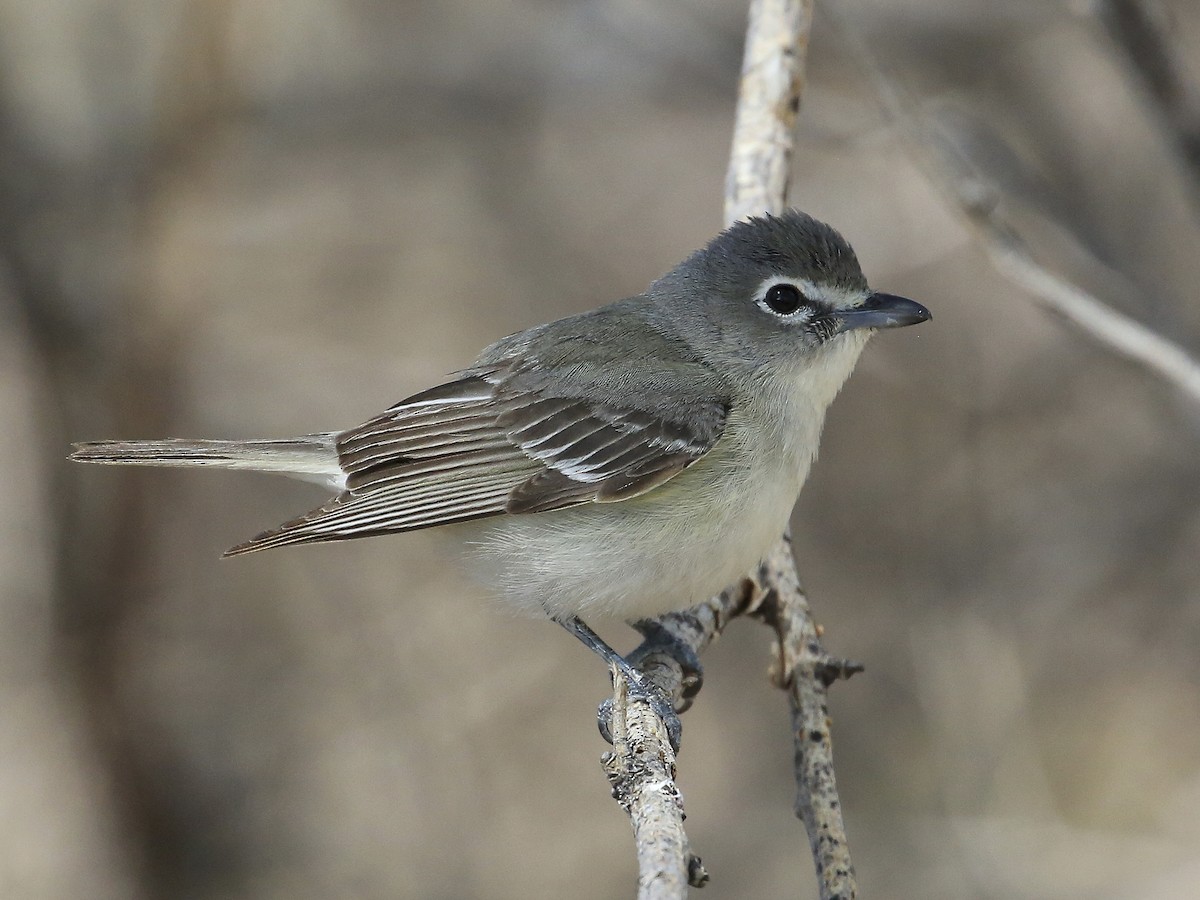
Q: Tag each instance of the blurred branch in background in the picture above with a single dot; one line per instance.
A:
(943, 155)
(109, 359)
(1141, 29)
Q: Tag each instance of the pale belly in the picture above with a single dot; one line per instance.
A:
(674, 547)
(681, 542)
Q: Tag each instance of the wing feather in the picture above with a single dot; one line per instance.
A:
(478, 447)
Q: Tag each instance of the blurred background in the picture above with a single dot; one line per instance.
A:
(259, 219)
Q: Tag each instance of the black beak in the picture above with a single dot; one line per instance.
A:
(883, 311)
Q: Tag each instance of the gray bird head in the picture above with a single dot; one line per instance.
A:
(777, 292)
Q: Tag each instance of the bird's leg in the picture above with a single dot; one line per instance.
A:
(640, 686)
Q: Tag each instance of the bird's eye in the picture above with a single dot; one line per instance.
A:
(783, 299)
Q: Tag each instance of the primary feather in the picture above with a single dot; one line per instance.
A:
(484, 445)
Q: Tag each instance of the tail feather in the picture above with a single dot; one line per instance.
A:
(313, 457)
(290, 532)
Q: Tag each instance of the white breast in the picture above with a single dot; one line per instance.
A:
(670, 548)
(683, 541)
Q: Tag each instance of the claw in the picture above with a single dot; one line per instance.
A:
(604, 713)
(640, 687)
(644, 690)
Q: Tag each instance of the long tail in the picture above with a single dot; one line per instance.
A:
(313, 457)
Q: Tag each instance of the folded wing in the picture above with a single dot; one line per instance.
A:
(478, 446)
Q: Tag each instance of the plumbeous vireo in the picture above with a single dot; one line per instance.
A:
(628, 461)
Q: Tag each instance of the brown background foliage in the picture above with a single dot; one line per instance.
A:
(260, 219)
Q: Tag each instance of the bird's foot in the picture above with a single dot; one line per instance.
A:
(658, 639)
(640, 685)
(639, 688)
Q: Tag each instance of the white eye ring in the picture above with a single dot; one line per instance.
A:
(784, 300)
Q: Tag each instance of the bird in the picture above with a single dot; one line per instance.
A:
(627, 461)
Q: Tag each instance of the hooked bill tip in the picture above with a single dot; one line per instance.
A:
(884, 311)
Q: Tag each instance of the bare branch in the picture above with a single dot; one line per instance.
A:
(759, 169)
(1119, 333)
(806, 671)
(641, 770)
(760, 162)
(641, 767)
(977, 200)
